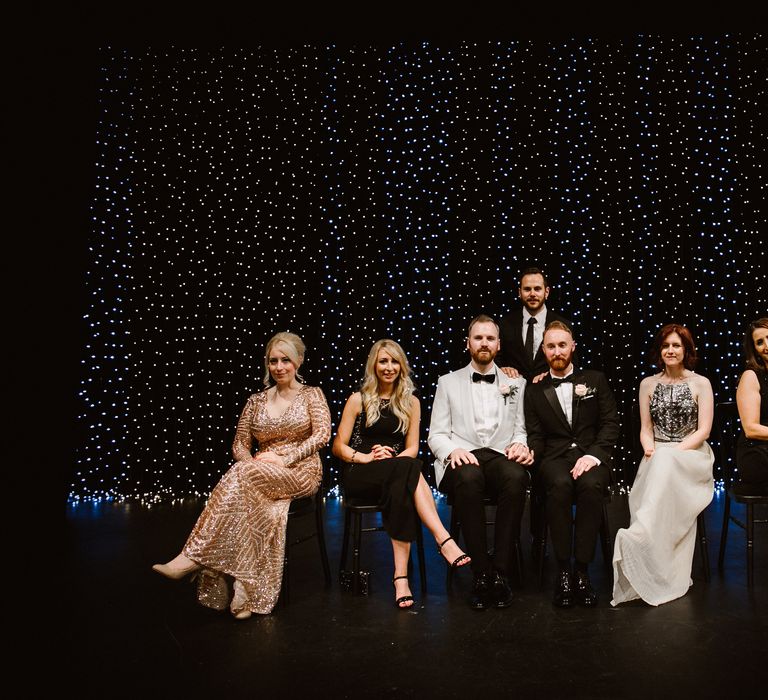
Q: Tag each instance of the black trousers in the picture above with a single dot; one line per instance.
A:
(391, 484)
(503, 480)
(562, 492)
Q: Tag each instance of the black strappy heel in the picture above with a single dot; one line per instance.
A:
(460, 560)
(403, 598)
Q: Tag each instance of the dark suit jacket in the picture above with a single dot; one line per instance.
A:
(595, 419)
(512, 353)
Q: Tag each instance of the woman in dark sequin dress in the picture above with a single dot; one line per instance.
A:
(378, 439)
(652, 558)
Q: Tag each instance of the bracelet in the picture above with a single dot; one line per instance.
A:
(352, 460)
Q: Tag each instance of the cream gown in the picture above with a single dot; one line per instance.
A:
(652, 558)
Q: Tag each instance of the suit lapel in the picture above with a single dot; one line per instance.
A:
(465, 399)
(551, 396)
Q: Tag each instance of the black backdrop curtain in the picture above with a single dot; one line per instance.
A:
(359, 191)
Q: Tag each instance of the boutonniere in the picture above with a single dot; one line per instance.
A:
(582, 390)
(507, 391)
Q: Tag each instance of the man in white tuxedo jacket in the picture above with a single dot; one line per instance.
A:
(477, 434)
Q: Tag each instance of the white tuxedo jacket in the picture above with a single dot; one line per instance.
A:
(452, 423)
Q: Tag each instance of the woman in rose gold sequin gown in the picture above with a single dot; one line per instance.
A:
(241, 531)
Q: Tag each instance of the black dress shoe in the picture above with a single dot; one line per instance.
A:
(585, 594)
(564, 594)
(502, 593)
(481, 596)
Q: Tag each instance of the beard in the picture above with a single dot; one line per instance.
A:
(483, 356)
(560, 363)
(533, 305)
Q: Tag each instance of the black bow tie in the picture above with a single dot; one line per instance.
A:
(477, 377)
(557, 381)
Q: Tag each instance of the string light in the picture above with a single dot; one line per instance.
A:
(359, 192)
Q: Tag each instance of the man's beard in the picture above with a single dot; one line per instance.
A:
(483, 357)
(560, 363)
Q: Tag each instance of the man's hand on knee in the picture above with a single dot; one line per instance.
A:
(583, 464)
(460, 456)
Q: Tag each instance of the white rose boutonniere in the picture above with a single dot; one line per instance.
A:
(582, 390)
(507, 391)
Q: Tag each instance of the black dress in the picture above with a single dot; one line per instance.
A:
(752, 455)
(391, 483)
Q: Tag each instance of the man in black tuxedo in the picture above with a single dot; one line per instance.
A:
(521, 331)
(572, 426)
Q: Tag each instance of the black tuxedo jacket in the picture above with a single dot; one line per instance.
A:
(595, 426)
(512, 352)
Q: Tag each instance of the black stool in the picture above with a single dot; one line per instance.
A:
(750, 495)
(302, 507)
(455, 531)
(540, 545)
(353, 519)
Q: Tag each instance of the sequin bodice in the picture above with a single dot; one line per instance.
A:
(674, 412)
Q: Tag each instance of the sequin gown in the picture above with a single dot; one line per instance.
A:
(241, 531)
(391, 483)
(652, 558)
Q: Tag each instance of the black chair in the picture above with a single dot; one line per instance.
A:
(538, 501)
(701, 526)
(302, 507)
(455, 531)
(728, 427)
(354, 510)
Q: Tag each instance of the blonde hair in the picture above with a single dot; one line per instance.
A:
(292, 346)
(400, 401)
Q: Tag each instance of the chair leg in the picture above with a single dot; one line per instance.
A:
(345, 540)
(518, 559)
(750, 544)
(542, 549)
(702, 532)
(422, 560)
(724, 533)
(454, 530)
(321, 540)
(283, 599)
(605, 540)
(357, 526)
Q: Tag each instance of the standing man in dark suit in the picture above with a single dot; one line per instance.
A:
(572, 426)
(521, 331)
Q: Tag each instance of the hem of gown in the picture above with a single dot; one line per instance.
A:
(655, 601)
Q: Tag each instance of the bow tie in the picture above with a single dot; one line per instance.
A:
(557, 381)
(477, 377)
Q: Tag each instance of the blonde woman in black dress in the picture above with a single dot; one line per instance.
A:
(378, 439)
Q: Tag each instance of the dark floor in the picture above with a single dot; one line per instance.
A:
(132, 633)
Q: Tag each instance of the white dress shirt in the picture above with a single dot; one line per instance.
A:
(538, 327)
(485, 402)
(565, 396)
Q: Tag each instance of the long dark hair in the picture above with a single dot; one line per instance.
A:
(753, 361)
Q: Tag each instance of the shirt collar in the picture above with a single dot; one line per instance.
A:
(540, 317)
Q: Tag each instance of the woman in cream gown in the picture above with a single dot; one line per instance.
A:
(652, 558)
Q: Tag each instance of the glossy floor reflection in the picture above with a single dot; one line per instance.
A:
(141, 634)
